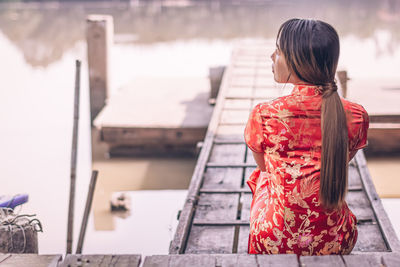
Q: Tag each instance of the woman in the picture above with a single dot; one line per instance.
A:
(302, 144)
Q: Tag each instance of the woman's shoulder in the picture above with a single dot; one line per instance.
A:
(355, 108)
(355, 113)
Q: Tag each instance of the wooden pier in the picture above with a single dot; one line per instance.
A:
(215, 217)
(214, 223)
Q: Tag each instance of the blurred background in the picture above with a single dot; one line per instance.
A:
(156, 41)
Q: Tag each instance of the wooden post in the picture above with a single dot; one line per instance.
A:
(216, 74)
(73, 158)
(342, 75)
(99, 36)
(89, 199)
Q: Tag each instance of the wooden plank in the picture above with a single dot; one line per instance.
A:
(239, 92)
(148, 136)
(361, 207)
(225, 191)
(279, 260)
(369, 239)
(321, 261)
(354, 178)
(387, 231)
(192, 260)
(230, 133)
(391, 260)
(242, 81)
(31, 260)
(216, 207)
(249, 157)
(264, 92)
(361, 260)
(227, 154)
(101, 260)
(247, 173)
(237, 104)
(4, 257)
(246, 202)
(246, 260)
(157, 261)
(234, 117)
(243, 239)
(222, 178)
(231, 165)
(244, 71)
(210, 239)
(202, 222)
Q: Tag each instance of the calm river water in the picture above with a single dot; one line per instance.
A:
(39, 43)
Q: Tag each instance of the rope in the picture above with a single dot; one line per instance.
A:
(11, 221)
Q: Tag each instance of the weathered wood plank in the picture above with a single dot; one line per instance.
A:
(321, 261)
(361, 207)
(234, 117)
(385, 226)
(222, 178)
(369, 239)
(239, 92)
(391, 260)
(354, 178)
(249, 156)
(361, 260)
(215, 207)
(243, 239)
(146, 135)
(210, 239)
(263, 93)
(3, 257)
(101, 260)
(244, 71)
(280, 260)
(242, 81)
(237, 104)
(31, 260)
(157, 261)
(191, 260)
(227, 153)
(246, 202)
(230, 133)
(225, 191)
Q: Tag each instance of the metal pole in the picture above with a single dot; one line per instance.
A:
(73, 159)
(89, 200)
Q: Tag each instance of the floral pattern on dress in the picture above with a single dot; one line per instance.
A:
(286, 215)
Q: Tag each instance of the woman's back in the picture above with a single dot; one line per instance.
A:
(286, 213)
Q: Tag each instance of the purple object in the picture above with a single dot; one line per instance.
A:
(13, 201)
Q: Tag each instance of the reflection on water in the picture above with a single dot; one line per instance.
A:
(38, 46)
(42, 43)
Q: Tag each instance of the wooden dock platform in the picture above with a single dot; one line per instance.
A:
(215, 217)
(156, 115)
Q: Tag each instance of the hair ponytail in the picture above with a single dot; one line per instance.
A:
(334, 154)
(311, 49)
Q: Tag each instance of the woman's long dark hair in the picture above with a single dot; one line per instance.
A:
(311, 49)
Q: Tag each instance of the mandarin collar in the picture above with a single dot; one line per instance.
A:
(306, 90)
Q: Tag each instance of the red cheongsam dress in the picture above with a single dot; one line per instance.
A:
(286, 215)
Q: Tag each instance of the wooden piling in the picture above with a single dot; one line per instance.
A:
(99, 37)
(215, 75)
(89, 200)
(73, 158)
(343, 78)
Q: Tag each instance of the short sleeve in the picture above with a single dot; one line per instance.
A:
(253, 180)
(253, 133)
(362, 130)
